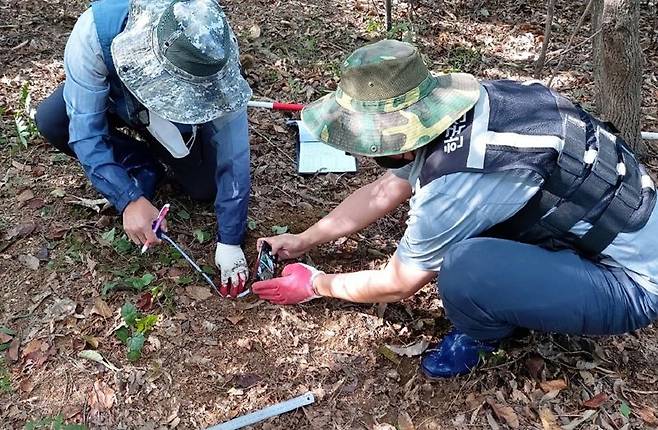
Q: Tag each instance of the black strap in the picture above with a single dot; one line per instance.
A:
(601, 178)
(567, 174)
(626, 200)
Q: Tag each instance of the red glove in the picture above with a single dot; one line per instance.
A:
(295, 286)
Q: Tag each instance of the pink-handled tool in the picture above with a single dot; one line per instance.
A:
(157, 223)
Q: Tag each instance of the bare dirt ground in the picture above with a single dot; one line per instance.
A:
(208, 360)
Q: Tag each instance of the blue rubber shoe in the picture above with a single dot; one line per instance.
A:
(456, 354)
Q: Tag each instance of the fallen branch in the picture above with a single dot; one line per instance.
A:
(93, 204)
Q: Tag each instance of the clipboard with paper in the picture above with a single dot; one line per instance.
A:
(314, 156)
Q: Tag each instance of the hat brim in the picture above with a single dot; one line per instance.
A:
(173, 94)
(389, 133)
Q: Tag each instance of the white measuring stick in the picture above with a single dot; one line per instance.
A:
(259, 104)
(268, 412)
(650, 135)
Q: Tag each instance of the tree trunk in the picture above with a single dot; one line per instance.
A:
(618, 66)
(388, 20)
(550, 8)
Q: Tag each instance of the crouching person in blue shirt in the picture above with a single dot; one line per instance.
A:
(170, 72)
(528, 211)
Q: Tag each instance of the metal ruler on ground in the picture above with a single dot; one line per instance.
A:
(268, 412)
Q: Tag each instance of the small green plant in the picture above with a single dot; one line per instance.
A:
(5, 377)
(168, 256)
(52, 423)
(400, 30)
(183, 215)
(373, 25)
(124, 281)
(165, 297)
(463, 59)
(279, 229)
(120, 244)
(137, 327)
(26, 129)
(201, 235)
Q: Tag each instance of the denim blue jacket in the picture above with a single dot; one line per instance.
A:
(90, 93)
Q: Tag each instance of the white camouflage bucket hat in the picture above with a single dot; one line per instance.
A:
(180, 59)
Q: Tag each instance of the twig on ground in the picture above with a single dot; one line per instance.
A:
(640, 391)
(461, 389)
(272, 143)
(93, 204)
(569, 43)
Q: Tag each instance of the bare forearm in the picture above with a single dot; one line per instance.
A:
(360, 209)
(368, 286)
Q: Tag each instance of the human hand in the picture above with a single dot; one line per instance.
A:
(233, 266)
(286, 246)
(138, 219)
(294, 286)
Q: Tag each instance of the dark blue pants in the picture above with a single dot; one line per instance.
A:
(490, 287)
(195, 174)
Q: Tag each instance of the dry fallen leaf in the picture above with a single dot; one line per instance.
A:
(404, 421)
(12, 352)
(535, 365)
(587, 415)
(26, 385)
(101, 397)
(412, 350)
(596, 401)
(32, 347)
(647, 414)
(197, 292)
(61, 309)
(92, 355)
(493, 425)
(25, 196)
(548, 420)
(29, 261)
(91, 341)
(36, 203)
(4, 337)
(21, 230)
(254, 32)
(38, 351)
(554, 385)
(505, 413)
(235, 319)
(279, 129)
(101, 308)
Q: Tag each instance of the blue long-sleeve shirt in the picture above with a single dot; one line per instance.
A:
(87, 98)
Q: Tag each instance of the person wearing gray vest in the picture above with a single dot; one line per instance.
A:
(169, 71)
(529, 212)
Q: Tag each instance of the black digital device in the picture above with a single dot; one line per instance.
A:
(266, 263)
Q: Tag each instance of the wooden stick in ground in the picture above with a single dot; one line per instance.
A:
(570, 42)
(539, 65)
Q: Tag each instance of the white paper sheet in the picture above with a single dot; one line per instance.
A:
(316, 157)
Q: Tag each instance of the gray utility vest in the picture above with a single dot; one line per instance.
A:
(589, 173)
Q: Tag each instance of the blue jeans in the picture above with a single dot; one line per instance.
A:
(490, 287)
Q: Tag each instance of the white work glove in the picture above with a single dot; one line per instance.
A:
(233, 266)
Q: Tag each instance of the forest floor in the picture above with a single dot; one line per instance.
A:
(66, 270)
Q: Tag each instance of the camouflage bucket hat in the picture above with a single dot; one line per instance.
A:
(180, 59)
(388, 102)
